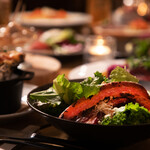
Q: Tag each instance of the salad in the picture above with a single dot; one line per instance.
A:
(139, 63)
(45, 13)
(116, 100)
(58, 42)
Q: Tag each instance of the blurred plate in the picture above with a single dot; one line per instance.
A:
(45, 68)
(71, 50)
(121, 31)
(87, 70)
(72, 19)
(24, 110)
(50, 53)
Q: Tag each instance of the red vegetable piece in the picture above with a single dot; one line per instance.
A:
(37, 45)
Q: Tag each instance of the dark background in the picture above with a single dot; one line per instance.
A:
(70, 5)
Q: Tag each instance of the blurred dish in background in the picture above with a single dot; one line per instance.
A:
(125, 24)
(134, 29)
(45, 13)
(57, 42)
(11, 80)
(127, 21)
(9, 60)
(88, 70)
(45, 68)
(48, 17)
(14, 36)
(139, 62)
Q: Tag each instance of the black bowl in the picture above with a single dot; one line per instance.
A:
(114, 134)
(11, 91)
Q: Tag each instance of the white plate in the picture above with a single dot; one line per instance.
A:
(45, 68)
(88, 70)
(122, 31)
(24, 106)
(72, 19)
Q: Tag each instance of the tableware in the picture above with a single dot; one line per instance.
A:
(28, 142)
(45, 68)
(11, 91)
(57, 56)
(57, 42)
(121, 31)
(72, 19)
(14, 136)
(24, 109)
(99, 47)
(88, 69)
(113, 134)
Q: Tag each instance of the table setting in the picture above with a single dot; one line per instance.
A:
(64, 89)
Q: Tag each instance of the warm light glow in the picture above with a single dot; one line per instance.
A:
(128, 2)
(100, 50)
(100, 42)
(142, 9)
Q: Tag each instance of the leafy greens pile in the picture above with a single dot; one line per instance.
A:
(63, 92)
(132, 114)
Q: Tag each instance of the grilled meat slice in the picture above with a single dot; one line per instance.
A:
(114, 94)
(94, 114)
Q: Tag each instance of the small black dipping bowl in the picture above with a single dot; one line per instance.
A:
(11, 91)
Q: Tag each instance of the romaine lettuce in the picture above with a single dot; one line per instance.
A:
(119, 74)
(71, 91)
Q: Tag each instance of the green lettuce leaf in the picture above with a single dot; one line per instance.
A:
(119, 74)
(45, 96)
(71, 91)
(91, 86)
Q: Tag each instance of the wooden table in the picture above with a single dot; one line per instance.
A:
(68, 65)
(34, 118)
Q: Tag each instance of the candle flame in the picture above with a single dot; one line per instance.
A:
(100, 50)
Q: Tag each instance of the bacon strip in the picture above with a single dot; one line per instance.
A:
(126, 90)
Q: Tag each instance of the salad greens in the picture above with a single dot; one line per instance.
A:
(63, 35)
(130, 114)
(141, 56)
(64, 92)
(68, 91)
(72, 91)
(120, 74)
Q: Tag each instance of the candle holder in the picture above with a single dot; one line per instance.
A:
(99, 48)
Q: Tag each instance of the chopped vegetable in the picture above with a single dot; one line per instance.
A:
(131, 115)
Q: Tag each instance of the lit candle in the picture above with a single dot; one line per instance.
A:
(99, 48)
